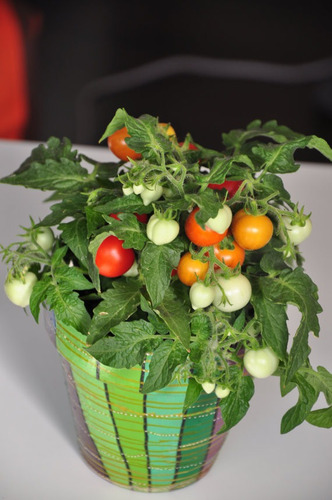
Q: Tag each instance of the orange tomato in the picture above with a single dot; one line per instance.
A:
(251, 232)
(117, 144)
(198, 235)
(230, 256)
(190, 270)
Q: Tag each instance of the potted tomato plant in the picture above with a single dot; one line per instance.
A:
(164, 279)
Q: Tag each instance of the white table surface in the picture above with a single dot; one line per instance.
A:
(39, 457)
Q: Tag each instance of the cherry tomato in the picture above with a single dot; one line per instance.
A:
(112, 259)
(191, 146)
(230, 186)
(189, 269)
(169, 130)
(261, 363)
(19, 290)
(117, 144)
(140, 217)
(251, 232)
(230, 256)
(199, 236)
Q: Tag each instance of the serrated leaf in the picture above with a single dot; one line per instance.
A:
(273, 319)
(298, 413)
(38, 295)
(129, 230)
(193, 392)
(165, 359)
(117, 122)
(131, 203)
(295, 287)
(157, 263)
(235, 406)
(177, 318)
(321, 380)
(75, 235)
(72, 278)
(132, 340)
(321, 418)
(66, 208)
(68, 308)
(117, 305)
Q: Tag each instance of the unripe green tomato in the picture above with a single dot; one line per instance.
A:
(296, 232)
(44, 238)
(127, 190)
(221, 391)
(151, 193)
(132, 271)
(222, 221)
(261, 363)
(208, 387)
(200, 295)
(162, 231)
(237, 290)
(19, 291)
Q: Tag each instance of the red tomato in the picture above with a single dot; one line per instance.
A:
(199, 236)
(230, 186)
(140, 217)
(251, 232)
(112, 259)
(190, 270)
(191, 146)
(117, 144)
(230, 256)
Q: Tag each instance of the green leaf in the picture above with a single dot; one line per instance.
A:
(68, 307)
(298, 413)
(235, 406)
(61, 175)
(128, 229)
(165, 359)
(39, 294)
(321, 380)
(208, 203)
(176, 317)
(194, 390)
(157, 263)
(201, 325)
(117, 122)
(131, 203)
(270, 184)
(69, 207)
(132, 340)
(154, 319)
(71, 278)
(117, 305)
(295, 287)
(75, 235)
(321, 418)
(272, 317)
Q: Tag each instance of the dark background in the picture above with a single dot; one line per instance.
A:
(81, 42)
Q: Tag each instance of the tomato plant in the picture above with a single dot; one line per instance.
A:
(19, 290)
(190, 270)
(235, 294)
(230, 256)
(251, 232)
(231, 187)
(201, 295)
(260, 363)
(198, 235)
(162, 231)
(112, 260)
(117, 144)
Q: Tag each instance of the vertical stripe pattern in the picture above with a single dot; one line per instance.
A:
(143, 442)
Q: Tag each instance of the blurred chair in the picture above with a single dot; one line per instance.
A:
(137, 78)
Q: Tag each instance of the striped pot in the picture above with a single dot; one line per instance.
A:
(143, 442)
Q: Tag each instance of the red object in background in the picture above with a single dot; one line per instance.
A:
(14, 95)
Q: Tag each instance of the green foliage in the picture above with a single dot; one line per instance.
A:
(125, 318)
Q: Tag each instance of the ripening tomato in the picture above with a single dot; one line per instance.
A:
(117, 144)
(112, 259)
(251, 232)
(169, 130)
(198, 235)
(190, 270)
(230, 256)
(230, 186)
